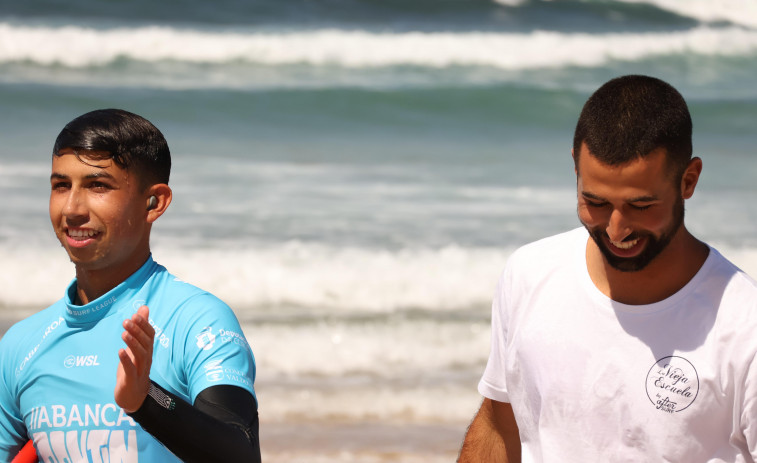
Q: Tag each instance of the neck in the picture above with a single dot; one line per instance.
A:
(92, 283)
(670, 271)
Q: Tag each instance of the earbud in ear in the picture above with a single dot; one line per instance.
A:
(152, 202)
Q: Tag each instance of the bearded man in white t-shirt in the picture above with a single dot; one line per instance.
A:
(626, 340)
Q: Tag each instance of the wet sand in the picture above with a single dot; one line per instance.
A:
(366, 442)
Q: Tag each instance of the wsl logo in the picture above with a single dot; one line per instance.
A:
(81, 361)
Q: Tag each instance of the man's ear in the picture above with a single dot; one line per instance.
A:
(156, 207)
(691, 177)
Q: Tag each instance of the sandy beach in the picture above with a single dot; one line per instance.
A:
(360, 442)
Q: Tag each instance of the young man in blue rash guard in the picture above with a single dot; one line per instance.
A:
(132, 364)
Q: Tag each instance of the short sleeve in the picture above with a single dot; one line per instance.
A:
(12, 426)
(493, 384)
(749, 409)
(216, 351)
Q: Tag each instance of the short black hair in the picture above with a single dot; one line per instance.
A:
(631, 116)
(131, 141)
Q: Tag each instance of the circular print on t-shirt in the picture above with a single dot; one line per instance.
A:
(672, 384)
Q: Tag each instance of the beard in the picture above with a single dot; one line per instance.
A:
(653, 247)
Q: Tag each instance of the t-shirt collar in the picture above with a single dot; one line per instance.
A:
(110, 302)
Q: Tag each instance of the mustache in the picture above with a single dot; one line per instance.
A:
(598, 233)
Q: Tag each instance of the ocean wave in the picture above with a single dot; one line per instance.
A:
(388, 403)
(79, 47)
(326, 279)
(733, 11)
(290, 275)
(445, 347)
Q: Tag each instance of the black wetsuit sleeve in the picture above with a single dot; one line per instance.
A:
(222, 425)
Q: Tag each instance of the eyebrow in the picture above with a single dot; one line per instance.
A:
(94, 175)
(638, 199)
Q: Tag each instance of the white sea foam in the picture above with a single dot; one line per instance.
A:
(742, 12)
(302, 275)
(290, 275)
(443, 402)
(344, 279)
(406, 366)
(75, 46)
(380, 348)
(394, 374)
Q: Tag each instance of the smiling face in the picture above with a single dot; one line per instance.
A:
(632, 211)
(98, 213)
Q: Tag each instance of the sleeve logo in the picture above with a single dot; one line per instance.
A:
(214, 371)
(206, 338)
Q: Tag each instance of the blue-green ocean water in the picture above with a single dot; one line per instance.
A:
(351, 175)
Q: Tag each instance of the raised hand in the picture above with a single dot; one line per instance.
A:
(133, 376)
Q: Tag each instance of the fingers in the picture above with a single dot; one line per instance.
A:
(138, 335)
(144, 312)
(139, 328)
(127, 362)
(141, 319)
(133, 374)
(131, 383)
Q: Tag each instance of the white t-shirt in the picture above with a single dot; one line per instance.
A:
(591, 379)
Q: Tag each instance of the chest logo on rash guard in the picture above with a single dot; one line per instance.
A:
(672, 384)
(206, 338)
(81, 361)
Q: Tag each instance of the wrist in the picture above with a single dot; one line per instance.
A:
(156, 397)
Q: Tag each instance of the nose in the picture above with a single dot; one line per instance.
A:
(75, 205)
(618, 227)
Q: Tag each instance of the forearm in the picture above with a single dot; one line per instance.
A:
(492, 435)
(194, 435)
